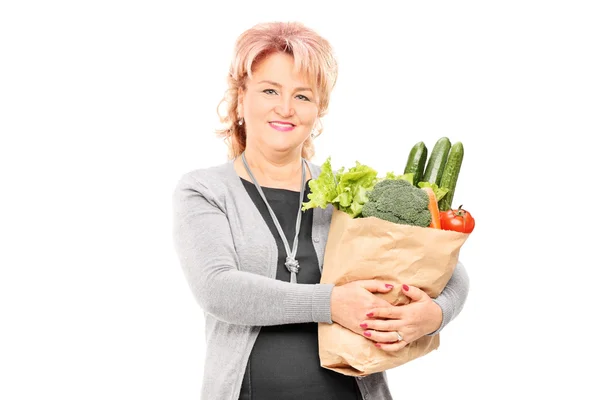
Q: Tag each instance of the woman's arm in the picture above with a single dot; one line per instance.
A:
(453, 297)
(204, 245)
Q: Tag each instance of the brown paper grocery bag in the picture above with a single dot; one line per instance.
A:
(371, 248)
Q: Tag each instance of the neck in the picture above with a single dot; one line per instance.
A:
(274, 168)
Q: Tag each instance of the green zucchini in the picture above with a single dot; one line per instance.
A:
(416, 162)
(437, 161)
(450, 175)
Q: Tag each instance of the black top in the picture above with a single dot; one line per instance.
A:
(284, 363)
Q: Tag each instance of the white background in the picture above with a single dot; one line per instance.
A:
(104, 105)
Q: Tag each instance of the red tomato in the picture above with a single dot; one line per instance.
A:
(458, 220)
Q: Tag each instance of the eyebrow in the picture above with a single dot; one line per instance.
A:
(299, 89)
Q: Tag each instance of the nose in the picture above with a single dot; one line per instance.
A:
(284, 108)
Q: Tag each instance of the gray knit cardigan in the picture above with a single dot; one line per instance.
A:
(229, 259)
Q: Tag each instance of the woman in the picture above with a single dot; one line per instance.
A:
(253, 260)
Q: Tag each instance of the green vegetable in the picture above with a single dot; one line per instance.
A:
(450, 175)
(398, 201)
(345, 190)
(409, 177)
(437, 161)
(417, 159)
(439, 192)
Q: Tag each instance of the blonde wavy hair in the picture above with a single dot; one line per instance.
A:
(313, 57)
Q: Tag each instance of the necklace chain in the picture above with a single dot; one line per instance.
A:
(291, 263)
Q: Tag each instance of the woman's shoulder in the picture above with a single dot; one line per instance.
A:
(218, 181)
(211, 181)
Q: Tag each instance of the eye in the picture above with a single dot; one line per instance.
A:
(303, 97)
(269, 91)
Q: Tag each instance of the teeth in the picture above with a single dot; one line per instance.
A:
(278, 124)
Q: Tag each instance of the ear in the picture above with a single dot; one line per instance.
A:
(240, 101)
(318, 124)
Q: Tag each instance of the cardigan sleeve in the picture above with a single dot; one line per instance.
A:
(205, 248)
(453, 297)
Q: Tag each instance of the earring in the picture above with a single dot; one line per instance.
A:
(315, 131)
(241, 121)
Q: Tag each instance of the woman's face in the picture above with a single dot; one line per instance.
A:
(279, 106)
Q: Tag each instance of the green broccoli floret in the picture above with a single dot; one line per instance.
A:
(398, 201)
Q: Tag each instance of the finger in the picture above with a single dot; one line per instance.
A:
(413, 292)
(382, 325)
(392, 312)
(376, 286)
(392, 347)
(380, 337)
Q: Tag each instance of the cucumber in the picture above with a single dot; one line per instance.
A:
(437, 161)
(450, 175)
(416, 162)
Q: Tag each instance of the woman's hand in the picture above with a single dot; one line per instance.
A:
(413, 320)
(352, 301)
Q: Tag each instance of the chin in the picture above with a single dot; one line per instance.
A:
(281, 148)
(284, 144)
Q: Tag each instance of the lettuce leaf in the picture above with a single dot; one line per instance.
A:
(439, 192)
(345, 190)
(407, 177)
(323, 189)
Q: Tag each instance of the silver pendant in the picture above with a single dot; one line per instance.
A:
(292, 264)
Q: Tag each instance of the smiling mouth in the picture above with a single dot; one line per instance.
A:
(282, 126)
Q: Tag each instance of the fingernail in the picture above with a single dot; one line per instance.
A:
(370, 314)
(405, 287)
(367, 333)
(363, 326)
(377, 344)
(387, 285)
